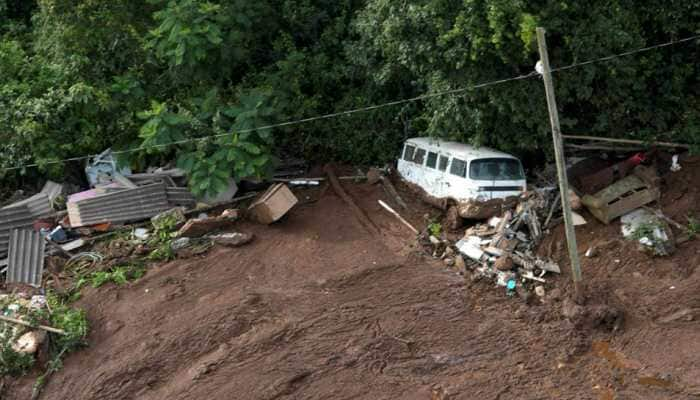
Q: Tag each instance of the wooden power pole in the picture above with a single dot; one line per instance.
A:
(561, 165)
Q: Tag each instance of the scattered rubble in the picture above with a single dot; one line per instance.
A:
(503, 248)
(653, 234)
(233, 239)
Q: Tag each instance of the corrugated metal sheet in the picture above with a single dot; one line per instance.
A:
(39, 205)
(52, 190)
(26, 257)
(180, 196)
(13, 218)
(123, 206)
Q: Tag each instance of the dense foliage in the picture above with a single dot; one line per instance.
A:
(77, 76)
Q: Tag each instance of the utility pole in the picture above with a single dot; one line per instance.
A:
(561, 165)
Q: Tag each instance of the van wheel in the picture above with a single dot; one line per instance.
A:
(452, 219)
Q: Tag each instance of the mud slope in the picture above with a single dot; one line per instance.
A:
(319, 308)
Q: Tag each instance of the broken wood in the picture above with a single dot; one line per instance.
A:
(361, 216)
(389, 187)
(320, 179)
(551, 211)
(628, 141)
(24, 323)
(400, 218)
(604, 148)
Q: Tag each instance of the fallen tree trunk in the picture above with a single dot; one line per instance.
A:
(361, 216)
(392, 191)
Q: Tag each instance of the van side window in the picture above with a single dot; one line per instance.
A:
(443, 163)
(432, 160)
(408, 152)
(458, 167)
(419, 156)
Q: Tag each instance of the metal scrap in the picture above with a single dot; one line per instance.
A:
(122, 206)
(503, 248)
(25, 257)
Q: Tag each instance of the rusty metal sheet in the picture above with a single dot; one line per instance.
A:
(26, 257)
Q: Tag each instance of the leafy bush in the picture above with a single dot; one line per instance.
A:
(11, 362)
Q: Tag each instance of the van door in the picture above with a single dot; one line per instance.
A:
(457, 185)
(434, 179)
(497, 177)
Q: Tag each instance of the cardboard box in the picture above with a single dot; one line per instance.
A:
(273, 204)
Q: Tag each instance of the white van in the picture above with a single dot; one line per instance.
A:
(469, 182)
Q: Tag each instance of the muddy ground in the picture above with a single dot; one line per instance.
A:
(319, 307)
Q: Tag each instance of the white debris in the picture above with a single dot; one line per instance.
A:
(37, 302)
(75, 244)
(675, 167)
(141, 233)
(470, 248)
(646, 227)
(578, 219)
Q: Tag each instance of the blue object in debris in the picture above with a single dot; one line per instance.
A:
(510, 285)
(58, 235)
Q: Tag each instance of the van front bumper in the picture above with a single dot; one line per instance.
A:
(474, 209)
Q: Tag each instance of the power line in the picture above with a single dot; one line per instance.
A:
(287, 123)
(365, 109)
(627, 53)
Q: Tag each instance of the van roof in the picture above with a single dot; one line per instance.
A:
(457, 149)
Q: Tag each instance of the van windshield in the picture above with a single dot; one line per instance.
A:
(496, 169)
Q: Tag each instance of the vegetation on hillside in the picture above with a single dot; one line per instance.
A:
(78, 76)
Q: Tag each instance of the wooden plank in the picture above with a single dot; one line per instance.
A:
(628, 141)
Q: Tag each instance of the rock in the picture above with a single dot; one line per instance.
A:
(503, 263)
(591, 252)
(434, 240)
(460, 264)
(539, 291)
(29, 342)
(230, 213)
(449, 261)
(373, 176)
(200, 227)
(524, 294)
(180, 243)
(570, 310)
(449, 251)
(575, 200)
(555, 294)
(233, 239)
(685, 314)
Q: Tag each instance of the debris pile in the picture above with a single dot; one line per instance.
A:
(35, 232)
(503, 248)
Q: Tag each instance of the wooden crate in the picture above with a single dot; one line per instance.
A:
(620, 198)
(272, 204)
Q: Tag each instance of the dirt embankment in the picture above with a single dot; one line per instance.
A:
(318, 307)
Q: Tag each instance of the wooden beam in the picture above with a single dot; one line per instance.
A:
(628, 141)
(561, 165)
